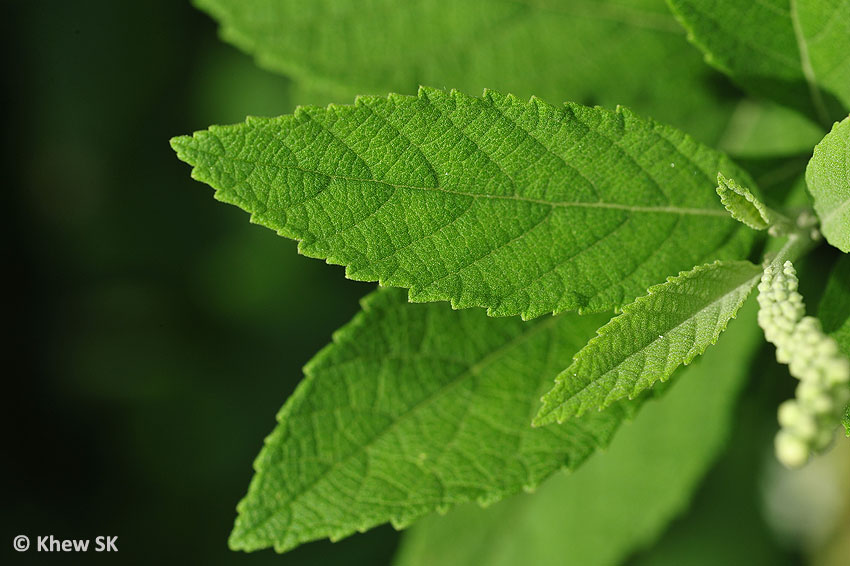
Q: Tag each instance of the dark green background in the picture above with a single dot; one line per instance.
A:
(156, 332)
(153, 333)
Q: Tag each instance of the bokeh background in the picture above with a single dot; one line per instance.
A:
(153, 333)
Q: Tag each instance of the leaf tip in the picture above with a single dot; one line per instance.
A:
(235, 541)
(180, 145)
(241, 538)
(545, 416)
(742, 204)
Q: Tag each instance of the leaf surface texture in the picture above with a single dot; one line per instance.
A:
(412, 409)
(671, 325)
(742, 204)
(587, 51)
(794, 51)
(620, 500)
(517, 206)
(828, 180)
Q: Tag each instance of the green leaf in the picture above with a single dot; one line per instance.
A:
(764, 129)
(517, 206)
(742, 204)
(846, 421)
(834, 312)
(620, 500)
(725, 523)
(834, 306)
(415, 408)
(598, 52)
(793, 51)
(671, 325)
(828, 179)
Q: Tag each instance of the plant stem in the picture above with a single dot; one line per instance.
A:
(802, 237)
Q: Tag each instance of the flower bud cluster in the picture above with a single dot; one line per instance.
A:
(809, 420)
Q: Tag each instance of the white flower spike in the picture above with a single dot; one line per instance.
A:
(807, 422)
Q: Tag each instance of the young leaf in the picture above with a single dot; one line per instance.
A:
(794, 51)
(828, 179)
(671, 325)
(412, 409)
(597, 52)
(619, 501)
(517, 206)
(742, 204)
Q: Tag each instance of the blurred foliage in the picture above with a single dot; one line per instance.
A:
(605, 52)
(624, 497)
(155, 332)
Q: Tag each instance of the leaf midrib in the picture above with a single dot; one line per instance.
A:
(827, 219)
(518, 198)
(651, 343)
(806, 65)
(403, 417)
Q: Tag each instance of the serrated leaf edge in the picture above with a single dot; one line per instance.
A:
(726, 186)
(415, 294)
(547, 413)
(371, 303)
